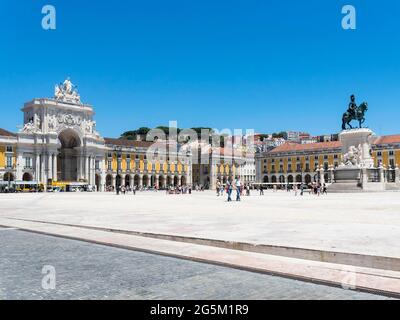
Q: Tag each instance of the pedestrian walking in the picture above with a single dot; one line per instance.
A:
(229, 191)
(238, 189)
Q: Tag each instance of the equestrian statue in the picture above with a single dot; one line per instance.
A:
(354, 113)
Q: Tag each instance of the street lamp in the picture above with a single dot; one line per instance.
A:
(118, 152)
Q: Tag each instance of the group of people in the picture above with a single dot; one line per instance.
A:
(230, 186)
(179, 190)
(316, 188)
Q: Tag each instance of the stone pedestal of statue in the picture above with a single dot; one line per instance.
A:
(357, 155)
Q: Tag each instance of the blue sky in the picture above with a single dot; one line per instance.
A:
(266, 65)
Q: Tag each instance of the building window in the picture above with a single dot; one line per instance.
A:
(97, 164)
(128, 164)
(391, 163)
(379, 153)
(137, 157)
(298, 158)
(28, 162)
(128, 156)
(307, 167)
(326, 166)
(109, 155)
(119, 164)
(9, 161)
(325, 157)
(298, 167)
(316, 158)
(109, 165)
(9, 149)
(335, 156)
(391, 153)
(336, 164)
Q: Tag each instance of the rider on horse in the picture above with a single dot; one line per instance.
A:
(352, 106)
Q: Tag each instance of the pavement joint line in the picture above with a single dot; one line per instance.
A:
(5, 228)
(303, 278)
(350, 259)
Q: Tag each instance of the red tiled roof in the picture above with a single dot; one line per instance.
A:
(388, 139)
(6, 133)
(127, 143)
(290, 147)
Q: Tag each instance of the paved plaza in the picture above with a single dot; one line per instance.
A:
(89, 271)
(337, 239)
(367, 223)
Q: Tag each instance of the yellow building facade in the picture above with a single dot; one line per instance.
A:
(304, 163)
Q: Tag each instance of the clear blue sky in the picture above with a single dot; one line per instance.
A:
(267, 65)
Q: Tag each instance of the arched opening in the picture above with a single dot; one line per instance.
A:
(316, 178)
(145, 181)
(161, 182)
(273, 179)
(282, 179)
(183, 181)
(169, 181)
(136, 179)
(152, 181)
(8, 176)
(299, 178)
(290, 179)
(307, 179)
(109, 180)
(68, 155)
(27, 177)
(176, 181)
(265, 180)
(97, 181)
(127, 180)
(326, 177)
(118, 181)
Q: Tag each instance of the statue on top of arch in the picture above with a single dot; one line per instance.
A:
(67, 92)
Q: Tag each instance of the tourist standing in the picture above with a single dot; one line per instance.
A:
(238, 189)
(229, 191)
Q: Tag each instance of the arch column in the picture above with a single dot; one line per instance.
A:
(140, 180)
(54, 164)
(87, 168)
(37, 167)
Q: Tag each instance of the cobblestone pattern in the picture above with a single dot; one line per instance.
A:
(91, 271)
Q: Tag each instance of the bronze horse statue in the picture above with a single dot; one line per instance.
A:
(359, 115)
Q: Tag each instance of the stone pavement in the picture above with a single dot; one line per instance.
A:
(91, 271)
(357, 223)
